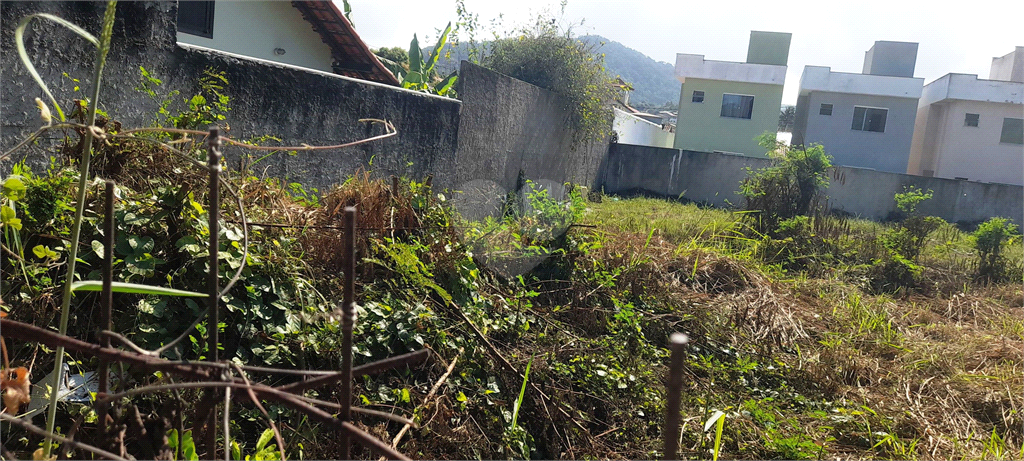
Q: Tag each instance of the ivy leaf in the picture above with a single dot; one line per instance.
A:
(43, 252)
(14, 189)
(9, 217)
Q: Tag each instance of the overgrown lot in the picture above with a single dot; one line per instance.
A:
(792, 337)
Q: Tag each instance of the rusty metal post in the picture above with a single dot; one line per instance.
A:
(213, 280)
(674, 390)
(107, 298)
(348, 318)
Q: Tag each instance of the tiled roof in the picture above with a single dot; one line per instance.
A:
(352, 58)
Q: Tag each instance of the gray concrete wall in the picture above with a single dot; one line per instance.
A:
(297, 105)
(715, 178)
(888, 151)
(510, 126)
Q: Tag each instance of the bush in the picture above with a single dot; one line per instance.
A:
(787, 188)
(565, 66)
(904, 243)
(989, 240)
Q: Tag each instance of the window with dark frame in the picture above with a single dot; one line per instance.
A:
(1013, 131)
(971, 120)
(869, 119)
(737, 106)
(196, 18)
(826, 109)
(698, 97)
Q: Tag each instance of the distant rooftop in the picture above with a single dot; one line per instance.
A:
(767, 55)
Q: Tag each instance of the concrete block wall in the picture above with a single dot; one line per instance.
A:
(297, 105)
(714, 179)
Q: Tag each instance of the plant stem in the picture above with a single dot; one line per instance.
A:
(76, 228)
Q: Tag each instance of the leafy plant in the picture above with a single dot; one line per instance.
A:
(989, 240)
(787, 187)
(420, 74)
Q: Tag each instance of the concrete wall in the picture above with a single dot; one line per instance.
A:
(887, 151)
(297, 105)
(256, 28)
(635, 130)
(701, 127)
(715, 178)
(510, 128)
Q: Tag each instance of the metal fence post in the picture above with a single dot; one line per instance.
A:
(674, 390)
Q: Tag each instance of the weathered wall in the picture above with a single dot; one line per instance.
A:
(509, 126)
(297, 105)
(715, 178)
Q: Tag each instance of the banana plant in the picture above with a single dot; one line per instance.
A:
(418, 75)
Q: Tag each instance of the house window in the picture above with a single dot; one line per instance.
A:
(826, 109)
(698, 97)
(737, 105)
(1013, 131)
(869, 119)
(196, 18)
(971, 120)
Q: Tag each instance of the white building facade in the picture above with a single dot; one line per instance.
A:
(971, 128)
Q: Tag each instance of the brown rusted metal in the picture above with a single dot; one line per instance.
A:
(213, 275)
(368, 369)
(677, 344)
(107, 297)
(348, 317)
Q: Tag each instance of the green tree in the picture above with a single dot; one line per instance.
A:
(394, 54)
(787, 118)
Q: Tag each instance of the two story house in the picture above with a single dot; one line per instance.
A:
(863, 120)
(724, 106)
(972, 128)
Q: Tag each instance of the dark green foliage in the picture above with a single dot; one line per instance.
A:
(394, 54)
(787, 188)
(565, 66)
(903, 243)
(990, 239)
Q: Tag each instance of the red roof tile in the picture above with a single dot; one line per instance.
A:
(352, 58)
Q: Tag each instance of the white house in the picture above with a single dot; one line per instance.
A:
(971, 128)
(310, 34)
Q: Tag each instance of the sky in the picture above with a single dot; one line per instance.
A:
(955, 37)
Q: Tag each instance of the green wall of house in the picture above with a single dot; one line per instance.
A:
(701, 127)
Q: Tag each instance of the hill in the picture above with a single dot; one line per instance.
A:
(653, 82)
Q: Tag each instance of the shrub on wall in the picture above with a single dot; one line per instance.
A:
(564, 65)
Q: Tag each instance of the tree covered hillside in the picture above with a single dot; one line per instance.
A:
(653, 82)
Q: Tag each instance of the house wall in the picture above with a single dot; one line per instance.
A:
(256, 28)
(895, 59)
(701, 127)
(714, 179)
(297, 105)
(974, 153)
(888, 151)
(635, 130)
(769, 48)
